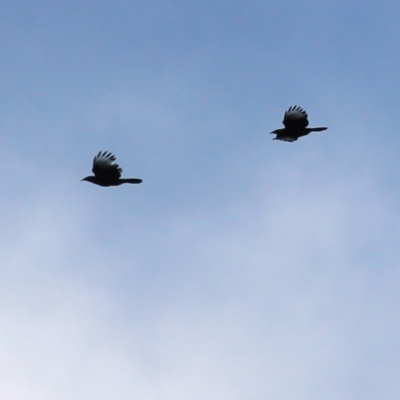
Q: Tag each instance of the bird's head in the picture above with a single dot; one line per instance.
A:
(89, 179)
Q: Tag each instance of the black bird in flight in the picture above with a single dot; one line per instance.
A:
(107, 172)
(295, 121)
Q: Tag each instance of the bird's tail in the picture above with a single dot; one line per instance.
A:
(131, 180)
(320, 129)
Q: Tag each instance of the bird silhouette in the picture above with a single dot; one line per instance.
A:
(295, 121)
(107, 172)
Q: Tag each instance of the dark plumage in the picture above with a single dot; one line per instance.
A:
(107, 172)
(295, 121)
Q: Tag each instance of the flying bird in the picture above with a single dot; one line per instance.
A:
(107, 172)
(295, 121)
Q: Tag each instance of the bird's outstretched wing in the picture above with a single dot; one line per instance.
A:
(104, 166)
(295, 118)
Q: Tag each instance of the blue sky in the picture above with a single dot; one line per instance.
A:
(242, 268)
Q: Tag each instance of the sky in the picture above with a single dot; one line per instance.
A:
(242, 268)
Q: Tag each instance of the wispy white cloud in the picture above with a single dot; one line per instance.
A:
(287, 293)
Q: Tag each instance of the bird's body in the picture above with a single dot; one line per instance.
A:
(107, 172)
(295, 121)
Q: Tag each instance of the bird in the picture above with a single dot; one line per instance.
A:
(107, 172)
(295, 121)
